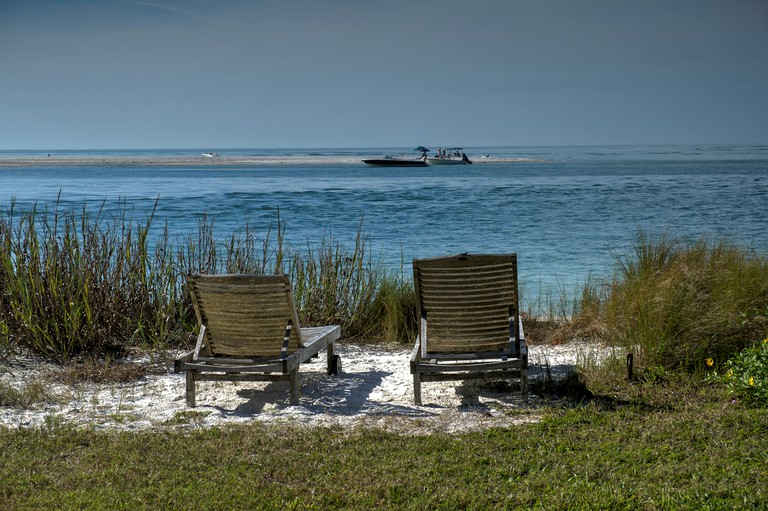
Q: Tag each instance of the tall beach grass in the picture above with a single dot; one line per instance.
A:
(89, 283)
(680, 304)
(85, 283)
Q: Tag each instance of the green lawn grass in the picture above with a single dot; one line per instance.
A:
(675, 445)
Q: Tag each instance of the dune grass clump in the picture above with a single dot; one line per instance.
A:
(25, 396)
(83, 283)
(331, 282)
(680, 304)
(393, 309)
(334, 283)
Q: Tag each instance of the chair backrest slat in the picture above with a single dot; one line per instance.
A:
(245, 315)
(468, 303)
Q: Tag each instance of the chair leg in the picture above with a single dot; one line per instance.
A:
(524, 376)
(190, 389)
(524, 383)
(335, 368)
(417, 389)
(295, 390)
(329, 358)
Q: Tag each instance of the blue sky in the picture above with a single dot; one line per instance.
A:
(101, 74)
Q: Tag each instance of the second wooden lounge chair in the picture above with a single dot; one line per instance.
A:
(470, 325)
(249, 331)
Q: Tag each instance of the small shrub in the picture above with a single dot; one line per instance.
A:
(746, 374)
(187, 417)
(23, 397)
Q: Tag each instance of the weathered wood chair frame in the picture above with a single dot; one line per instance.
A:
(469, 320)
(249, 331)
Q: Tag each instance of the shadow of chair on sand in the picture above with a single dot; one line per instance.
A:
(343, 394)
(346, 394)
(486, 396)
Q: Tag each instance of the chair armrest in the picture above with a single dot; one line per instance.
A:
(181, 360)
(416, 352)
(523, 344)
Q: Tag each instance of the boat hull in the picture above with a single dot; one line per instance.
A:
(394, 162)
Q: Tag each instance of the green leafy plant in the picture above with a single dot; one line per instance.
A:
(746, 374)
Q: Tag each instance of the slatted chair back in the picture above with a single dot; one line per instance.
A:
(246, 315)
(468, 304)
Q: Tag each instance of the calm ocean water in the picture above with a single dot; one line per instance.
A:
(566, 211)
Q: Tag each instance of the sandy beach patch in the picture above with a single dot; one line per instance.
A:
(374, 390)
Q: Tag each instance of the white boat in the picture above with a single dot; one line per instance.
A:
(209, 155)
(452, 156)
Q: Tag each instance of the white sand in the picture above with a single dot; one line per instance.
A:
(374, 389)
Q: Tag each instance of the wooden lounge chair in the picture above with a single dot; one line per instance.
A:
(249, 331)
(470, 325)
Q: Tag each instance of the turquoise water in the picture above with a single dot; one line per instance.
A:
(566, 211)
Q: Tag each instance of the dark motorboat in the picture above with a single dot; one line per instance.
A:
(401, 160)
(395, 162)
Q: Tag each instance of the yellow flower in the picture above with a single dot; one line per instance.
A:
(752, 380)
(710, 362)
(765, 340)
(729, 373)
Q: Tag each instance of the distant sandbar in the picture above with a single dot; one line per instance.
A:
(202, 161)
